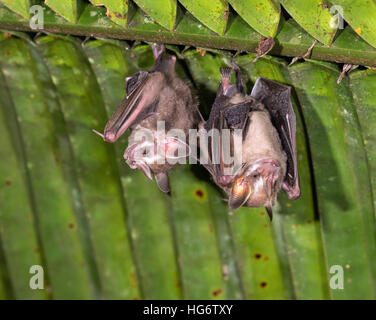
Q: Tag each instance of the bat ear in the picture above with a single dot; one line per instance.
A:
(239, 195)
(162, 181)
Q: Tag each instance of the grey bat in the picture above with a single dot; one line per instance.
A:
(154, 97)
(268, 159)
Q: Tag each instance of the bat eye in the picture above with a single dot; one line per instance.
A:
(255, 175)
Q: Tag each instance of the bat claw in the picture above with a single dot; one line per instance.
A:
(98, 133)
(264, 46)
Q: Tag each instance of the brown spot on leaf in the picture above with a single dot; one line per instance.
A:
(257, 256)
(48, 289)
(8, 182)
(133, 280)
(266, 258)
(57, 158)
(263, 284)
(37, 250)
(309, 221)
(119, 15)
(7, 52)
(199, 193)
(216, 292)
(71, 225)
(201, 51)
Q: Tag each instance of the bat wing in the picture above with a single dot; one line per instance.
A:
(221, 144)
(276, 97)
(134, 81)
(225, 115)
(138, 104)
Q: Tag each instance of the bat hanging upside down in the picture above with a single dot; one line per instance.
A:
(268, 151)
(154, 97)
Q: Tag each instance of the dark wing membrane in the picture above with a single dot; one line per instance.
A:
(225, 115)
(134, 81)
(129, 109)
(231, 116)
(276, 97)
(236, 114)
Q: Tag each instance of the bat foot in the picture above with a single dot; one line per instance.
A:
(306, 55)
(347, 67)
(157, 49)
(264, 46)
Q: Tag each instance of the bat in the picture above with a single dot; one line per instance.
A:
(153, 98)
(268, 143)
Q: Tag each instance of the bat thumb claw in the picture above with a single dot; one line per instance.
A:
(98, 133)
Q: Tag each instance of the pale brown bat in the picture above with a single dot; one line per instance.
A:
(153, 98)
(268, 157)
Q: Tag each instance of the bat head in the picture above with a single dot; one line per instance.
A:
(257, 185)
